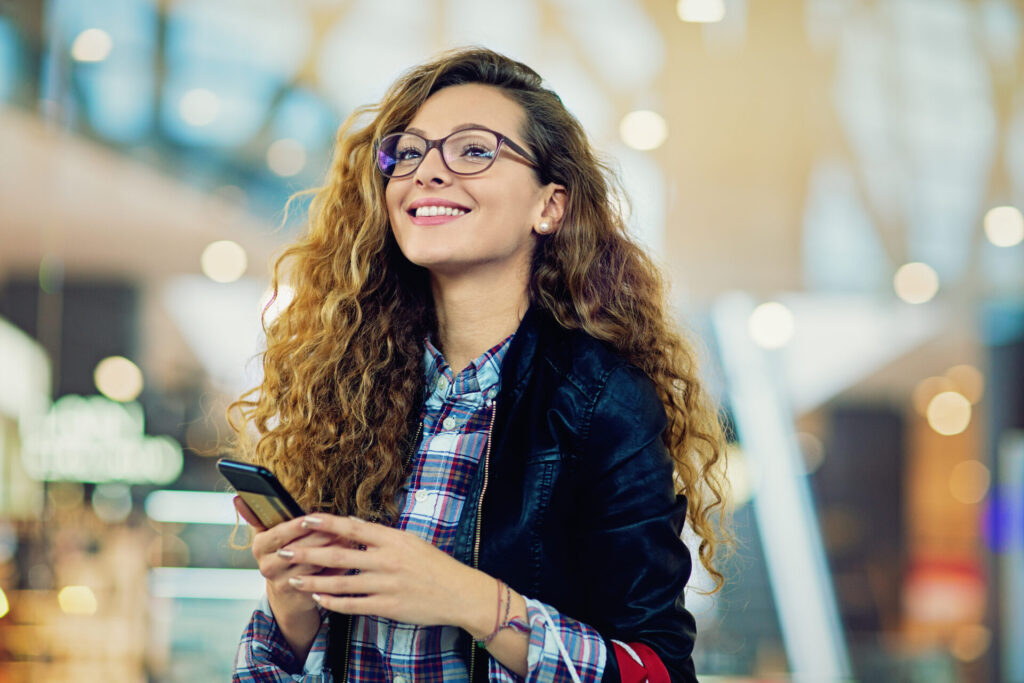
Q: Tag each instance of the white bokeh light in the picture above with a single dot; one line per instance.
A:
(916, 283)
(643, 129)
(224, 261)
(118, 379)
(92, 45)
(1004, 226)
(771, 325)
(949, 413)
(199, 107)
(701, 11)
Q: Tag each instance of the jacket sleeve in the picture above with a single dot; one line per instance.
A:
(631, 524)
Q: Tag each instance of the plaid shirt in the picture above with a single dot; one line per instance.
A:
(456, 416)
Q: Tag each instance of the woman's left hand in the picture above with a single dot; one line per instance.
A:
(401, 576)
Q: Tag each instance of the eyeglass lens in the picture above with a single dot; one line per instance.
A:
(465, 152)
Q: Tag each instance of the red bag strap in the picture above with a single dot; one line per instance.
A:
(652, 671)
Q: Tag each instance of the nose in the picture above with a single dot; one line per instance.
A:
(432, 170)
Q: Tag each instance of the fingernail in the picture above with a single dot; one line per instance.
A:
(286, 554)
(295, 581)
(315, 596)
(311, 521)
(357, 518)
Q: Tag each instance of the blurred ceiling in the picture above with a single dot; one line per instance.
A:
(813, 145)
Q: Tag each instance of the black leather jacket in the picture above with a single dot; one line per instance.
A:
(574, 504)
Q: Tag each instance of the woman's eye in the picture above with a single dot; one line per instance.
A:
(407, 153)
(477, 151)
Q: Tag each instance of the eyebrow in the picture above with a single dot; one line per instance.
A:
(464, 126)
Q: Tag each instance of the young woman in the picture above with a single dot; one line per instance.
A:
(478, 393)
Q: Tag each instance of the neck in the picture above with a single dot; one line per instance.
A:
(474, 314)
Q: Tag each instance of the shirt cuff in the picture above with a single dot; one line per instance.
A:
(264, 654)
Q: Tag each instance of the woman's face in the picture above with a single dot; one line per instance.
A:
(493, 235)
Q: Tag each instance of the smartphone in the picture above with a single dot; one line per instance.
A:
(261, 491)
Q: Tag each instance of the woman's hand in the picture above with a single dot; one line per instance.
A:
(401, 576)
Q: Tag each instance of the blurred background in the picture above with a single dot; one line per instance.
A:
(831, 185)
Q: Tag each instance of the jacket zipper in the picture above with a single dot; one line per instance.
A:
(479, 521)
(348, 629)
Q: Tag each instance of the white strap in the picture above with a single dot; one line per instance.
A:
(561, 646)
(631, 651)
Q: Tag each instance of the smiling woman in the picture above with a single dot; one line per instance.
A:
(478, 394)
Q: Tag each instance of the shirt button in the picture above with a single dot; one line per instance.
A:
(492, 393)
(421, 495)
(400, 679)
(442, 384)
(449, 423)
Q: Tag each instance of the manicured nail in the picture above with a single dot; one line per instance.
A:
(315, 596)
(357, 518)
(311, 521)
(295, 581)
(286, 554)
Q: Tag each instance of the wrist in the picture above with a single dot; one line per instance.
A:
(477, 615)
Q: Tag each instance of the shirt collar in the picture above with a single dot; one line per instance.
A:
(481, 376)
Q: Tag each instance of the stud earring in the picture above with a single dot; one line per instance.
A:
(544, 227)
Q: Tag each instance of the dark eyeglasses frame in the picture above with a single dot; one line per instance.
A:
(438, 145)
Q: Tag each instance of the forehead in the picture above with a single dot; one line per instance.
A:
(457, 105)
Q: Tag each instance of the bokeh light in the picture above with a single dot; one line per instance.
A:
(969, 481)
(1004, 226)
(5, 606)
(224, 261)
(701, 11)
(916, 283)
(286, 157)
(77, 600)
(812, 451)
(92, 45)
(199, 107)
(949, 413)
(968, 380)
(118, 379)
(643, 129)
(771, 325)
(970, 641)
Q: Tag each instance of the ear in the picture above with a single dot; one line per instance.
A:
(555, 199)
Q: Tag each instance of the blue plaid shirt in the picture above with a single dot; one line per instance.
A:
(456, 417)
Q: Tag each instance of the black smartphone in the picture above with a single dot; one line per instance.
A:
(261, 491)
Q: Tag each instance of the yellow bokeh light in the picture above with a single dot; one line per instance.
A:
(968, 380)
(118, 379)
(5, 606)
(91, 45)
(701, 11)
(1004, 226)
(916, 283)
(224, 261)
(77, 600)
(970, 642)
(969, 481)
(771, 325)
(286, 157)
(199, 107)
(643, 129)
(949, 413)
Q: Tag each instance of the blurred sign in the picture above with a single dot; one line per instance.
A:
(94, 439)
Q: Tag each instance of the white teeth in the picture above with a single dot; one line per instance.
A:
(438, 211)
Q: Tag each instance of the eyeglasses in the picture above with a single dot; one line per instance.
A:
(464, 152)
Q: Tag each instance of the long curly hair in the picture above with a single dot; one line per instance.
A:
(335, 414)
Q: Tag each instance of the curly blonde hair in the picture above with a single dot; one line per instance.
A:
(336, 411)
